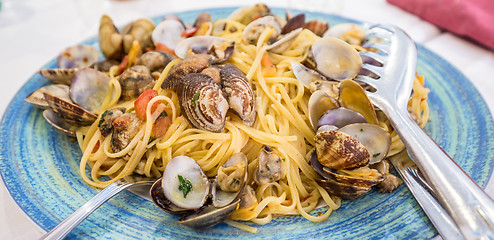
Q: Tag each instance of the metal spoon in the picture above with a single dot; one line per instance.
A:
(67, 225)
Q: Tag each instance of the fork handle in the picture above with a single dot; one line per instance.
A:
(64, 227)
(468, 205)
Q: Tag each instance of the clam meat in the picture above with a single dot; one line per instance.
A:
(239, 93)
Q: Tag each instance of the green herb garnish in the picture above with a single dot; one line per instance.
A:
(151, 139)
(194, 100)
(361, 129)
(283, 159)
(163, 114)
(185, 185)
(377, 154)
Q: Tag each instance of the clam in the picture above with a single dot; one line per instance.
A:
(353, 96)
(305, 74)
(110, 40)
(220, 49)
(202, 102)
(139, 30)
(155, 60)
(248, 14)
(336, 59)
(79, 56)
(134, 81)
(168, 33)
(375, 139)
(185, 189)
(294, 23)
(214, 73)
(105, 123)
(191, 64)
(59, 75)
(285, 42)
(252, 31)
(319, 103)
(104, 65)
(340, 117)
(69, 111)
(89, 88)
(239, 93)
(317, 27)
(125, 127)
(204, 24)
(338, 150)
(349, 32)
(37, 97)
(269, 167)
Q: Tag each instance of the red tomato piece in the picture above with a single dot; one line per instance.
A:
(142, 102)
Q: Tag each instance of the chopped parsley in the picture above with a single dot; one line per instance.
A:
(194, 100)
(185, 185)
(377, 154)
(163, 114)
(283, 159)
(151, 139)
(361, 129)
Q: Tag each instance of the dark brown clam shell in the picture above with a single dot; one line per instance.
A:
(337, 150)
(294, 23)
(202, 102)
(135, 81)
(354, 180)
(192, 64)
(317, 27)
(343, 190)
(69, 112)
(239, 93)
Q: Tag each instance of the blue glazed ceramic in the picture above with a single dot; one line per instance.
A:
(40, 168)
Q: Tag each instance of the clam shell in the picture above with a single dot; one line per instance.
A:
(89, 88)
(343, 190)
(208, 216)
(340, 117)
(59, 75)
(203, 17)
(252, 31)
(155, 60)
(336, 59)
(168, 32)
(248, 14)
(305, 74)
(285, 42)
(294, 23)
(375, 139)
(204, 45)
(228, 185)
(202, 102)
(134, 81)
(53, 119)
(110, 40)
(319, 103)
(79, 56)
(68, 111)
(373, 177)
(239, 93)
(353, 96)
(192, 64)
(139, 30)
(317, 27)
(37, 97)
(337, 150)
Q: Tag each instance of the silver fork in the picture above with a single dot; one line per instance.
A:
(67, 225)
(394, 65)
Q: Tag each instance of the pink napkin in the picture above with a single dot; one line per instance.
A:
(471, 18)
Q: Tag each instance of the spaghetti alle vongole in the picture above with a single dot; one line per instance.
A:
(141, 136)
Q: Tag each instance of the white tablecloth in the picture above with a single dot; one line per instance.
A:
(33, 32)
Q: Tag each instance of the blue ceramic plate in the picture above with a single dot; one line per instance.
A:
(40, 168)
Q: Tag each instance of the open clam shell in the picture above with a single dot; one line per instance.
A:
(285, 42)
(319, 103)
(134, 81)
(353, 96)
(139, 30)
(79, 56)
(340, 117)
(53, 119)
(89, 88)
(338, 150)
(37, 97)
(230, 181)
(305, 74)
(255, 28)
(110, 40)
(191, 64)
(168, 32)
(248, 14)
(375, 139)
(219, 48)
(68, 111)
(239, 93)
(202, 102)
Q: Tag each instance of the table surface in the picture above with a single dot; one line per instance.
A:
(33, 32)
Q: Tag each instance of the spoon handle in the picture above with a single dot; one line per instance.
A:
(67, 225)
(438, 216)
(468, 205)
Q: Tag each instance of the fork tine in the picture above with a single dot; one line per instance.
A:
(372, 68)
(366, 79)
(370, 57)
(381, 47)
